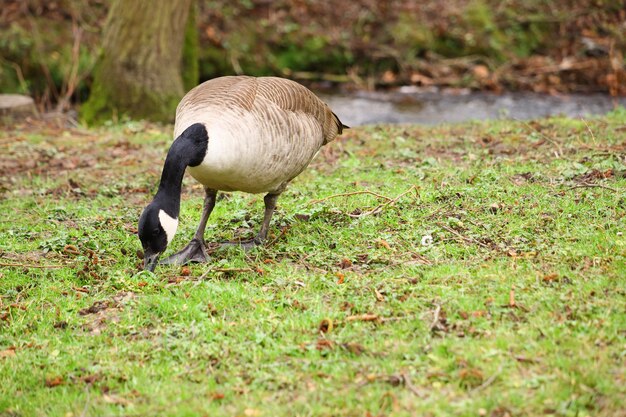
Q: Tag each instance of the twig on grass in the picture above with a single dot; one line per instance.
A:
(283, 232)
(487, 382)
(390, 201)
(32, 266)
(465, 238)
(368, 317)
(589, 185)
(351, 194)
(380, 207)
(409, 384)
(589, 130)
(559, 149)
(208, 271)
(435, 321)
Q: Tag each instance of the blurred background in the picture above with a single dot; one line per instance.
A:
(374, 60)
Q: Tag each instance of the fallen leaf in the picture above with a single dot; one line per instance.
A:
(550, 277)
(480, 71)
(89, 379)
(388, 77)
(217, 396)
(54, 381)
(60, 324)
(326, 325)
(355, 348)
(345, 263)
(10, 352)
(95, 308)
(345, 306)
(71, 249)
(470, 377)
(185, 271)
(251, 412)
(340, 276)
(383, 243)
(495, 207)
(323, 344)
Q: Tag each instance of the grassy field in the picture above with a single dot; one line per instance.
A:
(473, 270)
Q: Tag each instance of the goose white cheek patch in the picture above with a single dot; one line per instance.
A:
(169, 224)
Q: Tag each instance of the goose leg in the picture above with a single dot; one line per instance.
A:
(196, 250)
(270, 205)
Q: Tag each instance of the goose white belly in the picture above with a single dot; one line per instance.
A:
(253, 152)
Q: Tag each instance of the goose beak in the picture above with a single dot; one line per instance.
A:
(150, 261)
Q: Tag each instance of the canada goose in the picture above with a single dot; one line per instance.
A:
(235, 133)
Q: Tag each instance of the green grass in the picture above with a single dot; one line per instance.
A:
(491, 281)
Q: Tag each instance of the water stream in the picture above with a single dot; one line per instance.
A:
(407, 105)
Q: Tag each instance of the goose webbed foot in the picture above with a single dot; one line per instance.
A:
(195, 251)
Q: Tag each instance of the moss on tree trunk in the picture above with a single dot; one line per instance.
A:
(191, 68)
(139, 70)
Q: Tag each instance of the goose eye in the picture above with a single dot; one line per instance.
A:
(156, 232)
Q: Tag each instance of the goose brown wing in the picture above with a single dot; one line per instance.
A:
(291, 96)
(229, 91)
(242, 92)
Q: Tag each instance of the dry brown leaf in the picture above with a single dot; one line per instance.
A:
(326, 325)
(480, 71)
(383, 243)
(355, 348)
(345, 263)
(115, 399)
(550, 277)
(54, 381)
(324, 344)
(10, 352)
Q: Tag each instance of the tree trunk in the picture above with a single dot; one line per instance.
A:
(139, 70)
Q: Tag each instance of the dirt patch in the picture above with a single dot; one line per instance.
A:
(85, 164)
(101, 313)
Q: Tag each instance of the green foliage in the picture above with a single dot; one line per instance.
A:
(14, 45)
(38, 60)
(475, 31)
(411, 36)
(494, 287)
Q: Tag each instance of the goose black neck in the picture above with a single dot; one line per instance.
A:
(189, 149)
